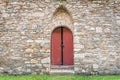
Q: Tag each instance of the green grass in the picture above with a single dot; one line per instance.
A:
(58, 77)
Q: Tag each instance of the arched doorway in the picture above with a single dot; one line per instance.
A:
(62, 46)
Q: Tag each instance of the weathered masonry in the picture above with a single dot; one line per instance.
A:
(60, 36)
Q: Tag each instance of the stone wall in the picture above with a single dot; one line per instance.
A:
(26, 27)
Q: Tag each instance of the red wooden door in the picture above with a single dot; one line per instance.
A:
(62, 47)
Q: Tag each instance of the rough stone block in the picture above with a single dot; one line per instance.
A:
(45, 60)
(99, 30)
(29, 50)
(34, 61)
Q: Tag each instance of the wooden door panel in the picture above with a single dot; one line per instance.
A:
(56, 60)
(68, 47)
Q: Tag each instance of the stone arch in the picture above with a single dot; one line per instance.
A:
(62, 17)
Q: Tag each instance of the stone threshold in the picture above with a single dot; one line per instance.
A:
(61, 69)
